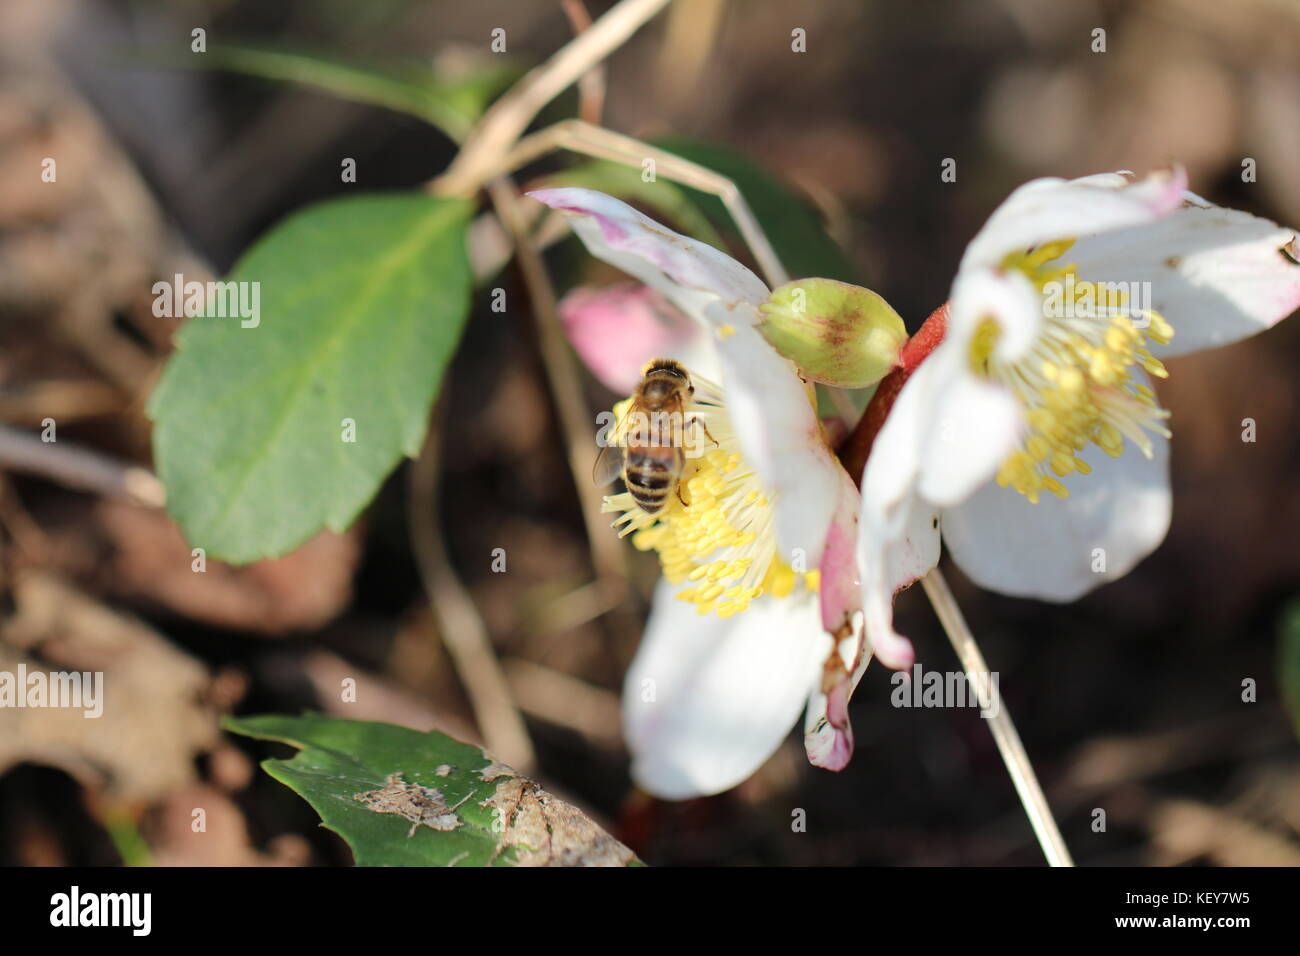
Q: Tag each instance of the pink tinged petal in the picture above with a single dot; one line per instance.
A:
(618, 329)
(707, 701)
(898, 534)
(840, 588)
(689, 272)
(1050, 550)
(828, 733)
(1217, 275)
(1046, 210)
(908, 550)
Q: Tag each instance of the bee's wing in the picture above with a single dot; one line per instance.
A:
(609, 465)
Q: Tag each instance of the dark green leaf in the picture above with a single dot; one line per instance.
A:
(1289, 661)
(362, 301)
(450, 103)
(404, 798)
(793, 227)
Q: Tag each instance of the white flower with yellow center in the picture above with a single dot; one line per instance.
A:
(754, 619)
(1032, 434)
(717, 537)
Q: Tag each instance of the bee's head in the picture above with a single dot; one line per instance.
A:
(659, 388)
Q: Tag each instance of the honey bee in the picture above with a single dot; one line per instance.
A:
(647, 448)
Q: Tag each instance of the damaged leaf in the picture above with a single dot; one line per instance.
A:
(400, 797)
(423, 806)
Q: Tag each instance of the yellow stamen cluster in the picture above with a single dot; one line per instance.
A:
(717, 537)
(1076, 382)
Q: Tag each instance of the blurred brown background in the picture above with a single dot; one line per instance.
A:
(1128, 701)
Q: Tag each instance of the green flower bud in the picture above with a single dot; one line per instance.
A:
(838, 334)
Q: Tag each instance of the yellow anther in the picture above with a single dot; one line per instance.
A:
(1056, 488)
(982, 343)
(1062, 464)
(1077, 382)
(716, 538)
(1071, 379)
(1158, 329)
(780, 580)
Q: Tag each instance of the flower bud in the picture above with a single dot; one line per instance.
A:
(838, 334)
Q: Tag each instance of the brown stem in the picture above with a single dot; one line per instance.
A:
(853, 453)
(591, 85)
(507, 118)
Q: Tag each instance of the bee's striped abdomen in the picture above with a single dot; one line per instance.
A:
(650, 475)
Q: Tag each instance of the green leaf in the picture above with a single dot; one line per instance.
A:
(400, 797)
(450, 103)
(1289, 661)
(362, 301)
(793, 227)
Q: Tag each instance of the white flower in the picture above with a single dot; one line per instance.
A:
(755, 618)
(1014, 434)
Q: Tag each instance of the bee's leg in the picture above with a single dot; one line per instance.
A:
(681, 473)
(697, 420)
(580, 137)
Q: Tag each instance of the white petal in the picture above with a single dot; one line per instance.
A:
(1009, 299)
(780, 437)
(723, 694)
(893, 553)
(689, 272)
(946, 434)
(891, 476)
(1049, 550)
(1046, 210)
(1218, 275)
(973, 426)
(914, 552)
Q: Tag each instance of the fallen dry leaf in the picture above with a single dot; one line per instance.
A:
(156, 715)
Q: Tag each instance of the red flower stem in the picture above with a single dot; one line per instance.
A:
(853, 453)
